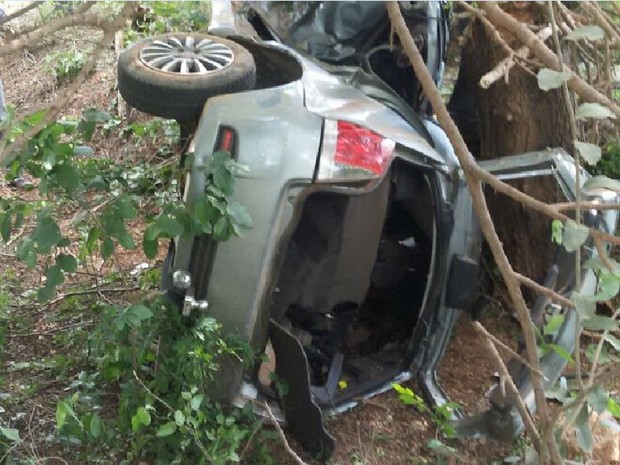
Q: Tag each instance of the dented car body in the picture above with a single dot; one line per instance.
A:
(364, 248)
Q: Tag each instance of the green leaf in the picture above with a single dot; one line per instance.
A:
(96, 116)
(45, 293)
(557, 229)
(46, 234)
(168, 226)
(589, 152)
(26, 252)
(239, 215)
(223, 229)
(5, 226)
(96, 426)
(593, 110)
(66, 262)
(133, 316)
(196, 401)
(601, 182)
(54, 276)
(608, 286)
(585, 307)
(584, 435)
(141, 418)
(107, 248)
(600, 323)
(82, 151)
(554, 323)
(36, 117)
(150, 247)
(179, 418)
(126, 241)
(64, 410)
(87, 129)
(589, 32)
(166, 429)
(10, 434)
(595, 263)
(598, 399)
(613, 407)
(574, 235)
(68, 177)
(550, 79)
(125, 208)
(561, 351)
(613, 341)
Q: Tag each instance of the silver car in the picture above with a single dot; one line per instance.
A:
(364, 248)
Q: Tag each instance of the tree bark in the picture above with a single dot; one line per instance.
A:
(506, 119)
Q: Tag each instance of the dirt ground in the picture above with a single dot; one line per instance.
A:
(382, 431)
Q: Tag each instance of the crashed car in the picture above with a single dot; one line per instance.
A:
(364, 248)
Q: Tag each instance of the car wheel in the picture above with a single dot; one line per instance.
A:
(173, 75)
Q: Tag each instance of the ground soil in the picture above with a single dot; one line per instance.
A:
(381, 431)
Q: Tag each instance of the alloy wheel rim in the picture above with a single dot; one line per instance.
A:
(186, 55)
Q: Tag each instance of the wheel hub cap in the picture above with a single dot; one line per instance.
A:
(186, 55)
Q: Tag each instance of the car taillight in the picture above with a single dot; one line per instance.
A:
(226, 140)
(352, 152)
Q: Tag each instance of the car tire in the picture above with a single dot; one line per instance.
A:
(173, 75)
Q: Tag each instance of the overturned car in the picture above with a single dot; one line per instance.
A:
(364, 248)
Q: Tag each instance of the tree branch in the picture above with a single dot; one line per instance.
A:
(19, 12)
(109, 27)
(501, 19)
(479, 203)
(506, 378)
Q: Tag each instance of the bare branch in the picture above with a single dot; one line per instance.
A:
(83, 19)
(507, 379)
(479, 202)
(110, 28)
(285, 443)
(544, 291)
(585, 206)
(503, 67)
(19, 12)
(599, 18)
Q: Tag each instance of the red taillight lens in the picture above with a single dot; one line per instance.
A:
(353, 152)
(226, 140)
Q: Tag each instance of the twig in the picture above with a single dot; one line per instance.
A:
(82, 19)
(488, 26)
(502, 19)
(475, 170)
(602, 253)
(503, 67)
(51, 331)
(480, 327)
(285, 443)
(599, 349)
(93, 290)
(248, 443)
(20, 12)
(544, 291)
(601, 21)
(573, 127)
(585, 206)
(506, 378)
(169, 407)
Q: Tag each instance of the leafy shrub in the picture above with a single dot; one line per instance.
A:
(65, 64)
(609, 165)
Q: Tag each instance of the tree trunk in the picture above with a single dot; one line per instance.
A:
(506, 119)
